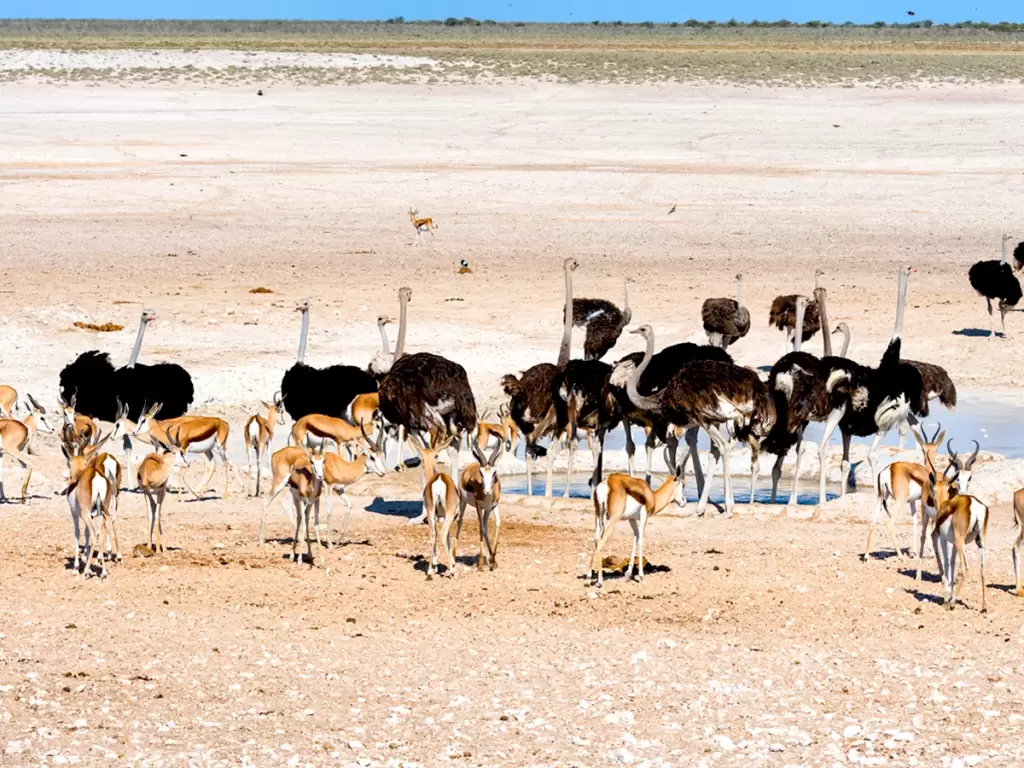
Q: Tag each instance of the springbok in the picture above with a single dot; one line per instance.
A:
(306, 483)
(621, 497)
(259, 434)
(81, 454)
(421, 225)
(153, 473)
(16, 438)
(440, 501)
(204, 435)
(339, 474)
(480, 486)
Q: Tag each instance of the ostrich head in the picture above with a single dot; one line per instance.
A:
(644, 330)
(385, 320)
(571, 265)
(302, 305)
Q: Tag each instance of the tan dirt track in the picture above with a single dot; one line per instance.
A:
(765, 640)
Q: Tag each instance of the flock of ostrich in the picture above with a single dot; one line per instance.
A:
(344, 416)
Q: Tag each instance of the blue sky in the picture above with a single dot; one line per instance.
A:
(865, 11)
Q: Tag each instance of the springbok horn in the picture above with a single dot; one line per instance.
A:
(970, 461)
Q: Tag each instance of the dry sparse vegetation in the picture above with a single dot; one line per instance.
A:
(468, 50)
(101, 327)
(260, 289)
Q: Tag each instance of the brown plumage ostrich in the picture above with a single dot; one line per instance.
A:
(782, 315)
(709, 394)
(603, 322)
(427, 393)
(532, 395)
(726, 320)
(383, 360)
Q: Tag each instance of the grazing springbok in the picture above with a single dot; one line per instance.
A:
(505, 431)
(621, 497)
(88, 495)
(153, 473)
(259, 434)
(282, 462)
(306, 483)
(339, 474)
(313, 430)
(15, 440)
(480, 486)
(960, 520)
(203, 435)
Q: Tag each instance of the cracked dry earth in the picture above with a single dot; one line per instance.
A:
(756, 639)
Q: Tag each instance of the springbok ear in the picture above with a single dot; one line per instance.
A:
(939, 437)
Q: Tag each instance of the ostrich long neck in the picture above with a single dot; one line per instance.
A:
(138, 342)
(627, 312)
(798, 338)
(739, 292)
(301, 356)
(826, 330)
(846, 340)
(901, 305)
(1003, 259)
(402, 313)
(385, 344)
(646, 403)
(563, 351)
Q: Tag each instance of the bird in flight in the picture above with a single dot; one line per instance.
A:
(672, 211)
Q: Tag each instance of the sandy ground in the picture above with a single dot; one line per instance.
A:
(766, 640)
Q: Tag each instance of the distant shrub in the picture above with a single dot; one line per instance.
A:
(692, 23)
(814, 24)
(598, 24)
(783, 23)
(647, 24)
(451, 21)
(732, 23)
(673, 24)
(879, 24)
(617, 24)
(396, 20)
(490, 22)
(519, 24)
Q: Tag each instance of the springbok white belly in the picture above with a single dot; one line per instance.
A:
(633, 507)
(978, 511)
(203, 446)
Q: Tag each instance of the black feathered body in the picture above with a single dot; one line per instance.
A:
(532, 402)
(726, 320)
(603, 322)
(782, 315)
(97, 386)
(583, 398)
(707, 393)
(936, 383)
(875, 399)
(424, 391)
(797, 386)
(328, 391)
(995, 280)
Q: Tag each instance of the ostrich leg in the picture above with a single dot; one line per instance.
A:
(573, 443)
(691, 451)
(845, 466)
(727, 442)
(830, 426)
(649, 445)
(1002, 320)
(530, 460)
(630, 447)
(991, 322)
(717, 444)
(552, 444)
(794, 497)
(776, 476)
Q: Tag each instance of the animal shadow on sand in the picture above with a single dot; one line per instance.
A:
(407, 509)
(975, 332)
(931, 578)
(615, 568)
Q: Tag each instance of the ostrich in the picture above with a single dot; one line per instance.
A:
(996, 280)
(583, 400)
(532, 394)
(603, 322)
(782, 315)
(709, 394)
(97, 387)
(726, 320)
(870, 401)
(426, 393)
(306, 390)
(383, 360)
(663, 366)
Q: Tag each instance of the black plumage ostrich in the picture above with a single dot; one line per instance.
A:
(583, 400)
(782, 315)
(867, 401)
(328, 391)
(663, 366)
(996, 281)
(726, 320)
(603, 322)
(532, 395)
(97, 388)
(709, 394)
